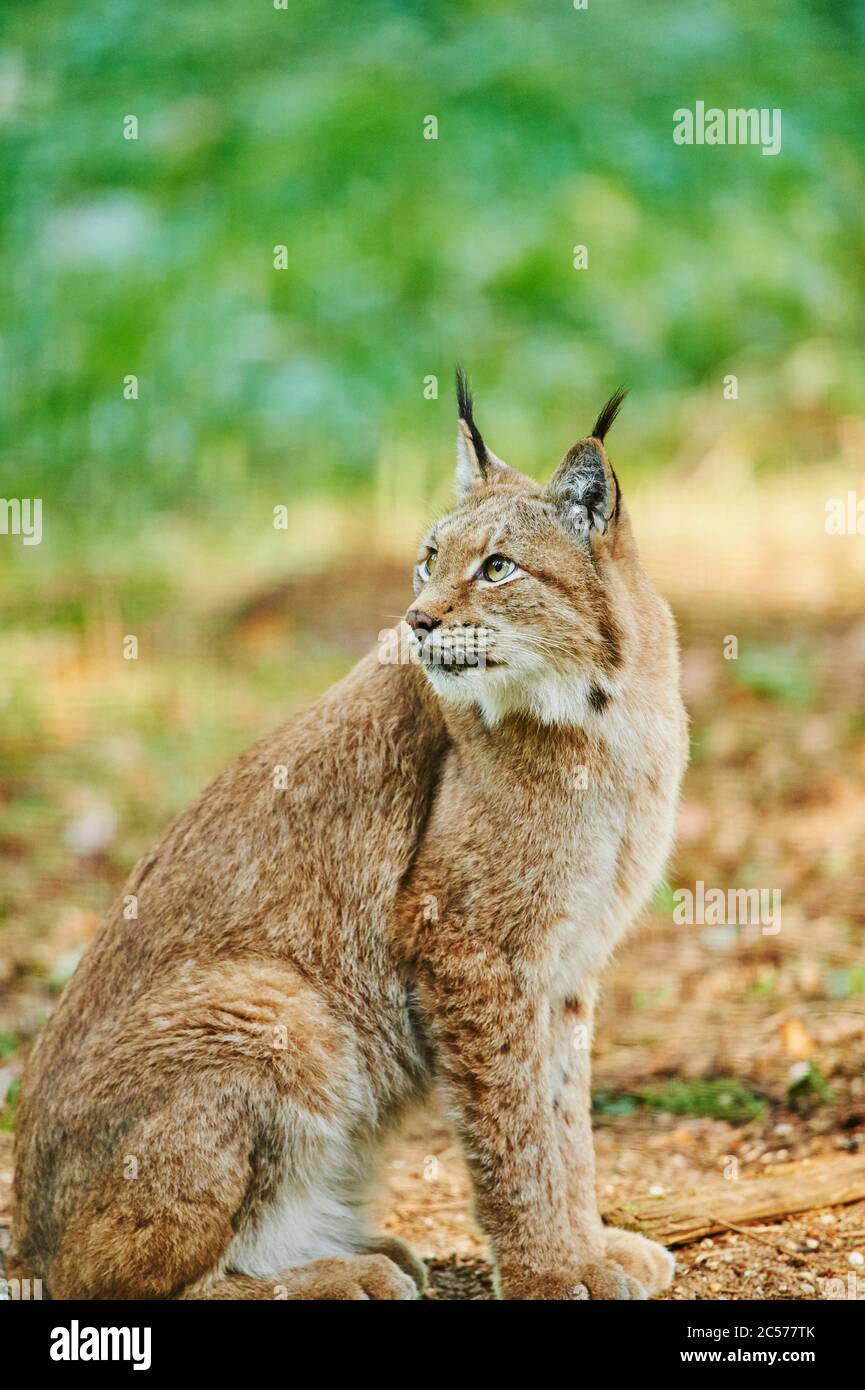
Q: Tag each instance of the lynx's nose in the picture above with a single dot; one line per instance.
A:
(420, 622)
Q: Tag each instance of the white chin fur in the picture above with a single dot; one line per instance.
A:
(548, 696)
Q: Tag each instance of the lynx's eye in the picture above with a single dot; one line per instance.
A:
(426, 568)
(497, 568)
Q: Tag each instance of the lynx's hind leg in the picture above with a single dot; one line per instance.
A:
(147, 1236)
(403, 1256)
(353, 1278)
(255, 1128)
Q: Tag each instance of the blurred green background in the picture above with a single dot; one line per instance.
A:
(306, 387)
(304, 127)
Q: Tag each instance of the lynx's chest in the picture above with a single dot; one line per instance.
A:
(619, 838)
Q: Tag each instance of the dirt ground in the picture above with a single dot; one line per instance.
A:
(722, 1048)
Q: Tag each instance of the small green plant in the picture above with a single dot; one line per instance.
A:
(664, 899)
(763, 985)
(844, 984)
(809, 1089)
(716, 1098)
(10, 1106)
(610, 1103)
(783, 673)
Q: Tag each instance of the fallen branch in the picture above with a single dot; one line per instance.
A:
(786, 1188)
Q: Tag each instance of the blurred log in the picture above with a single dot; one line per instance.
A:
(786, 1188)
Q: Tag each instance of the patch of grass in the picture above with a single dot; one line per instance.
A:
(763, 986)
(809, 1089)
(664, 899)
(716, 1098)
(855, 724)
(698, 740)
(9, 1108)
(845, 984)
(651, 998)
(610, 1103)
(782, 672)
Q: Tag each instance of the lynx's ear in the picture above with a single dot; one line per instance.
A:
(476, 464)
(584, 489)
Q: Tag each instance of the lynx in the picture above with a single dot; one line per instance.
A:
(429, 893)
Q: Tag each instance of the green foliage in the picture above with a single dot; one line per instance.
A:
(809, 1089)
(717, 1098)
(303, 127)
(763, 985)
(846, 983)
(664, 899)
(609, 1103)
(778, 672)
(9, 1108)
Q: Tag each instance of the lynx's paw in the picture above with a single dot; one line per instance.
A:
(358, 1277)
(645, 1260)
(397, 1250)
(605, 1279)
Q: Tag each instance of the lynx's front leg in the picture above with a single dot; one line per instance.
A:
(647, 1264)
(571, 1025)
(490, 1024)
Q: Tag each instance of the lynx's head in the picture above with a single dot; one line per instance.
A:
(519, 592)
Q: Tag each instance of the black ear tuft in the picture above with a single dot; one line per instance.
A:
(464, 406)
(608, 414)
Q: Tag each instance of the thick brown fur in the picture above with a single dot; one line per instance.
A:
(421, 877)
